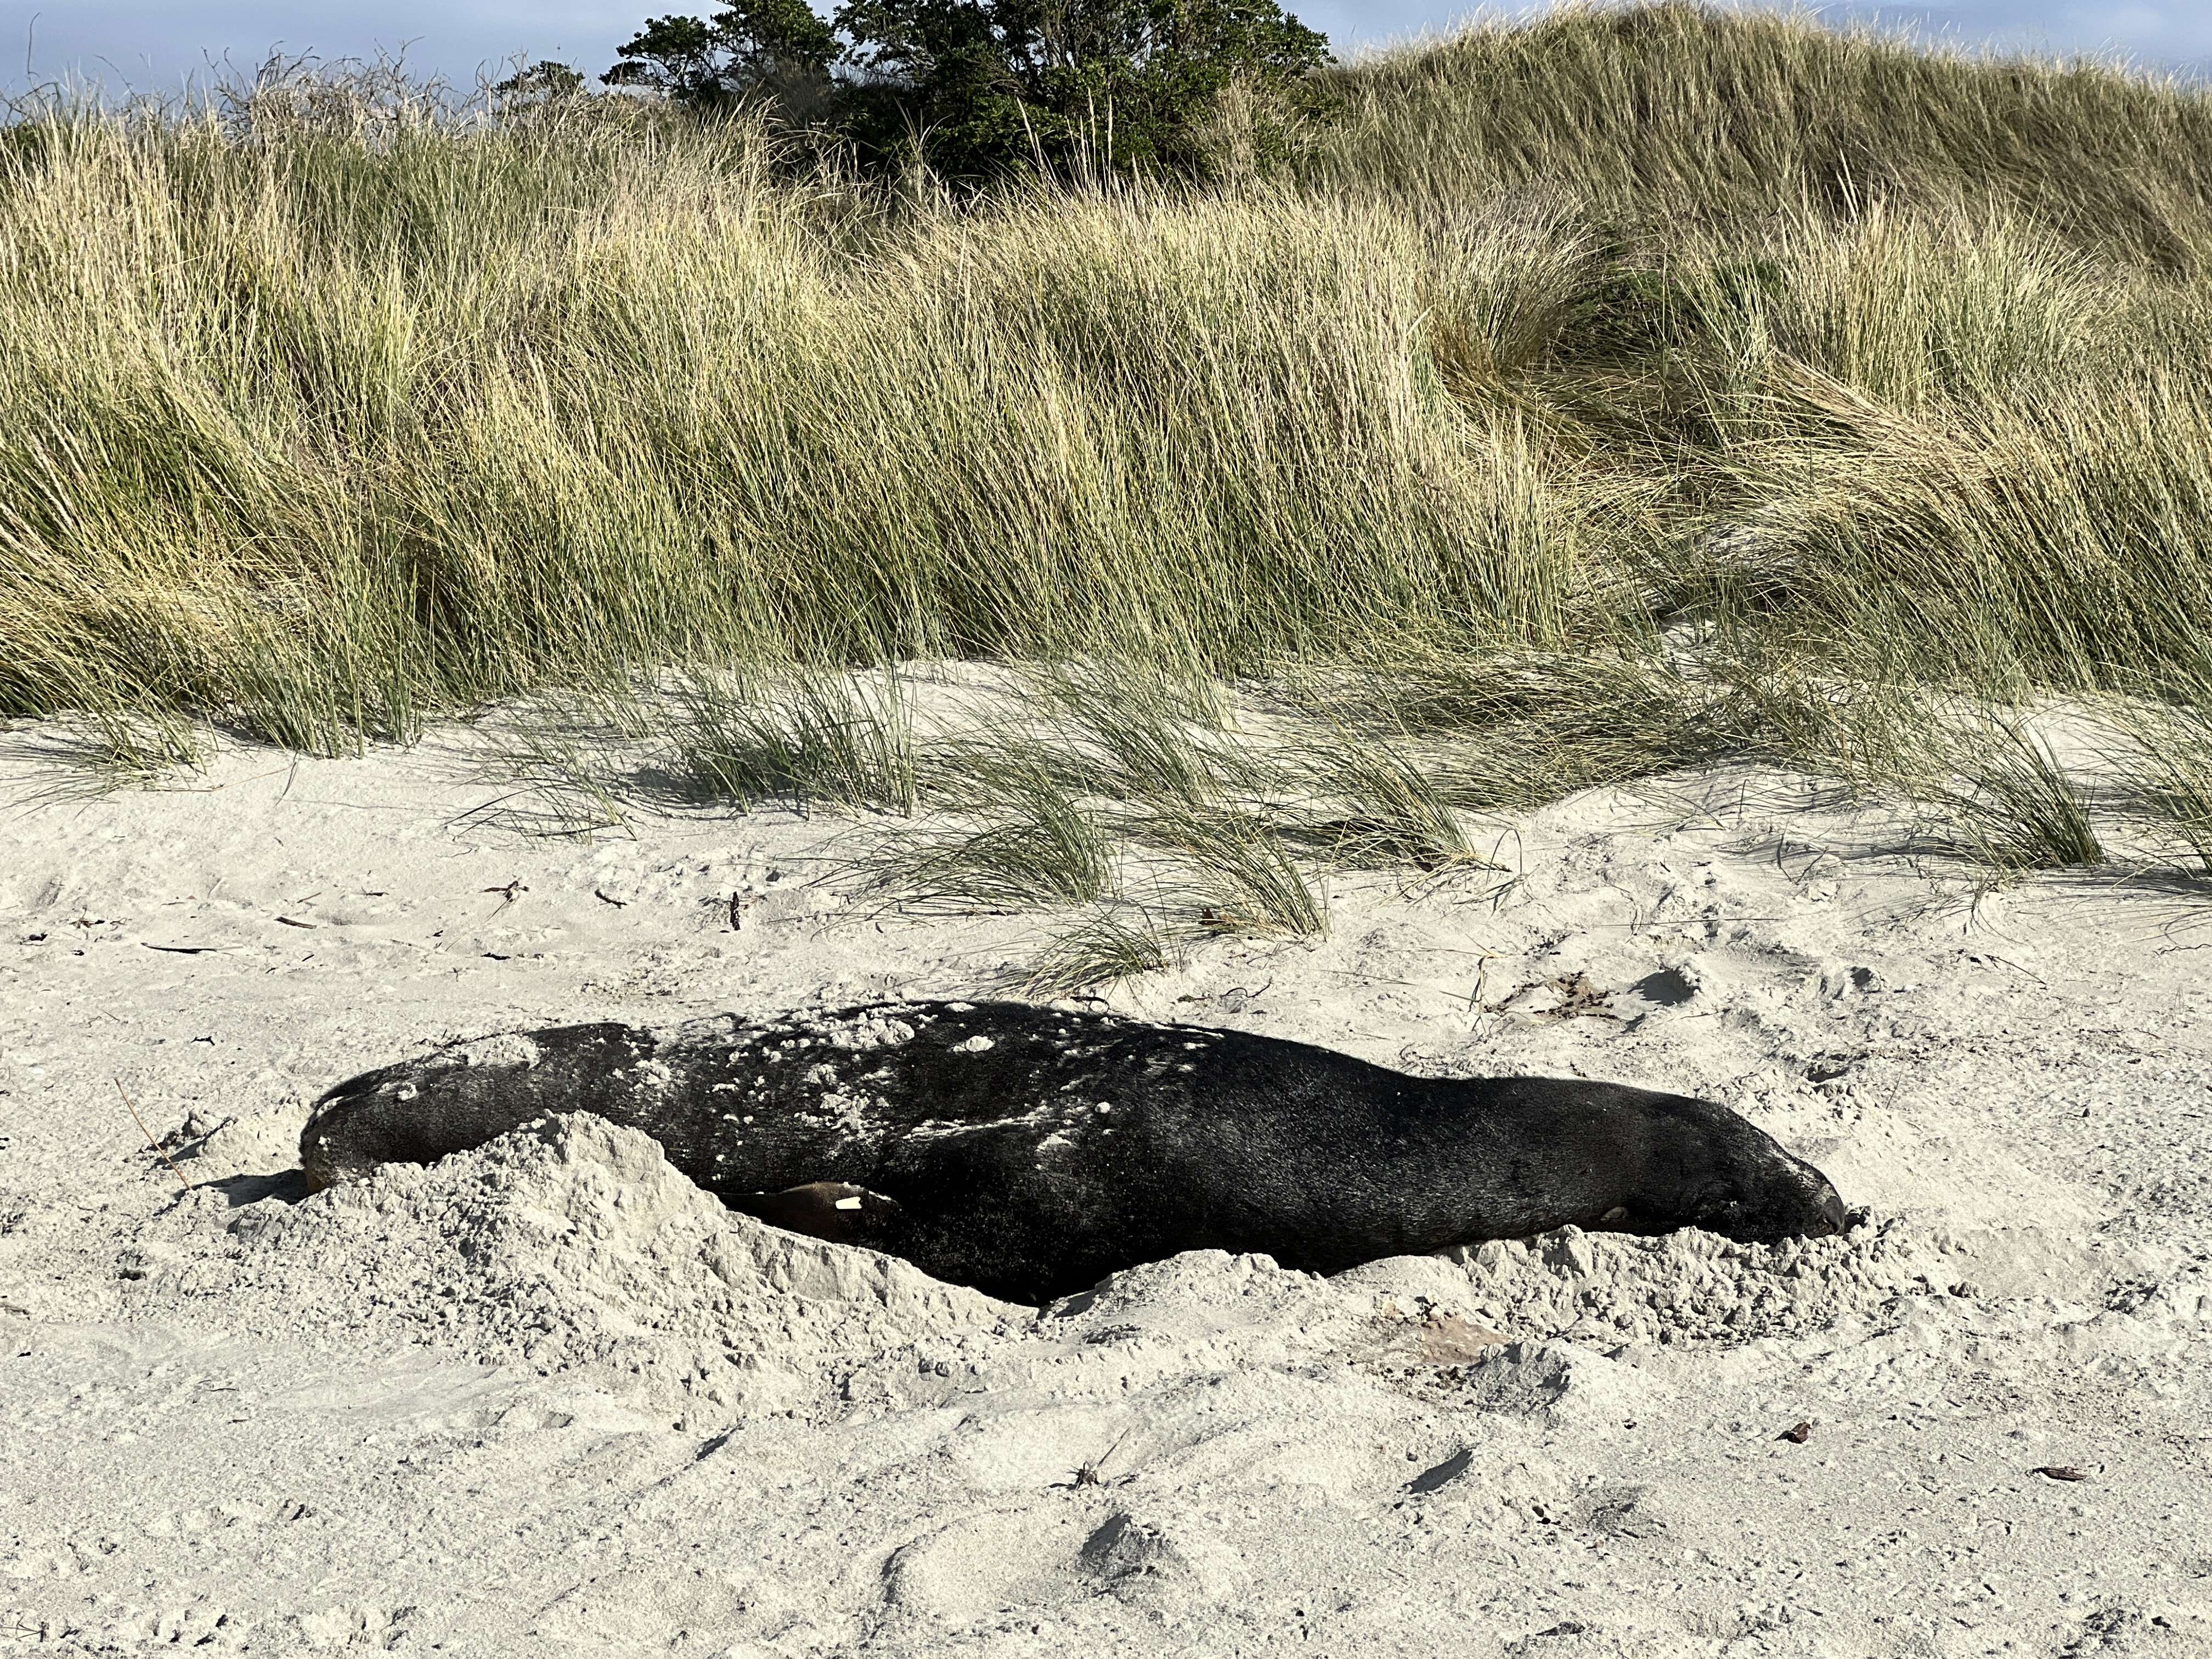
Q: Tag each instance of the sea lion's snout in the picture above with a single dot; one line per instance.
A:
(1739, 1182)
(1800, 1203)
(1808, 1204)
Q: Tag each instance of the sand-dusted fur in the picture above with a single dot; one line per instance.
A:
(1028, 1151)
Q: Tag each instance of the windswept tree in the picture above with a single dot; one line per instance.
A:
(540, 86)
(1126, 79)
(972, 86)
(542, 80)
(757, 50)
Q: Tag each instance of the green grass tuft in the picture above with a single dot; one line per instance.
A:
(1049, 853)
(813, 739)
(1103, 948)
(2013, 809)
(1236, 871)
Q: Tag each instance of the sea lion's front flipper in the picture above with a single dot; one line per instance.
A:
(835, 1209)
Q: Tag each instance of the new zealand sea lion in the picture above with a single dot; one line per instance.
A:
(1028, 1151)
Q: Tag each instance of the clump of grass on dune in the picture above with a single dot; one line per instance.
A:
(2061, 542)
(1515, 729)
(2172, 766)
(268, 458)
(1375, 806)
(2013, 808)
(1676, 114)
(2183, 795)
(801, 739)
(1947, 448)
(1101, 948)
(1235, 872)
(1905, 338)
(1034, 851)
(1134, 732)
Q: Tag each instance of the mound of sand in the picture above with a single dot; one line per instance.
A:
(1694, 1286)
(568, 1245)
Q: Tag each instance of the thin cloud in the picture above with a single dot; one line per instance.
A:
(156, 45)
(2166, 37)
(133, 45)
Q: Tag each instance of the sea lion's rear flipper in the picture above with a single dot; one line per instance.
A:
(835, 1209)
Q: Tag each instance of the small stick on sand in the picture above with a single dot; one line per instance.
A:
(148, 1134)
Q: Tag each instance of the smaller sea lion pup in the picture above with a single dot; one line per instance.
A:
(1030, 1151)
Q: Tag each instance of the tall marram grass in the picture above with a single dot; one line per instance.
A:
(1864, 367)
(1909, 342)
(323, 436)
(1661, 117)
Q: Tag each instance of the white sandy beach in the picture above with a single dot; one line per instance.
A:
(550, 1398)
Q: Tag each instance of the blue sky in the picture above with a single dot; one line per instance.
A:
(152, 45)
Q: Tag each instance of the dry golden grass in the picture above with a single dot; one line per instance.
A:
(331, 410)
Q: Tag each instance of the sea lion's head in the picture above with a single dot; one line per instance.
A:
(1709, 1168)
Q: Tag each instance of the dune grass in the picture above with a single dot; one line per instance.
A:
(1618, 392)
(319, 437)
(2171, 764)
(1663, 116)
(805, 741)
